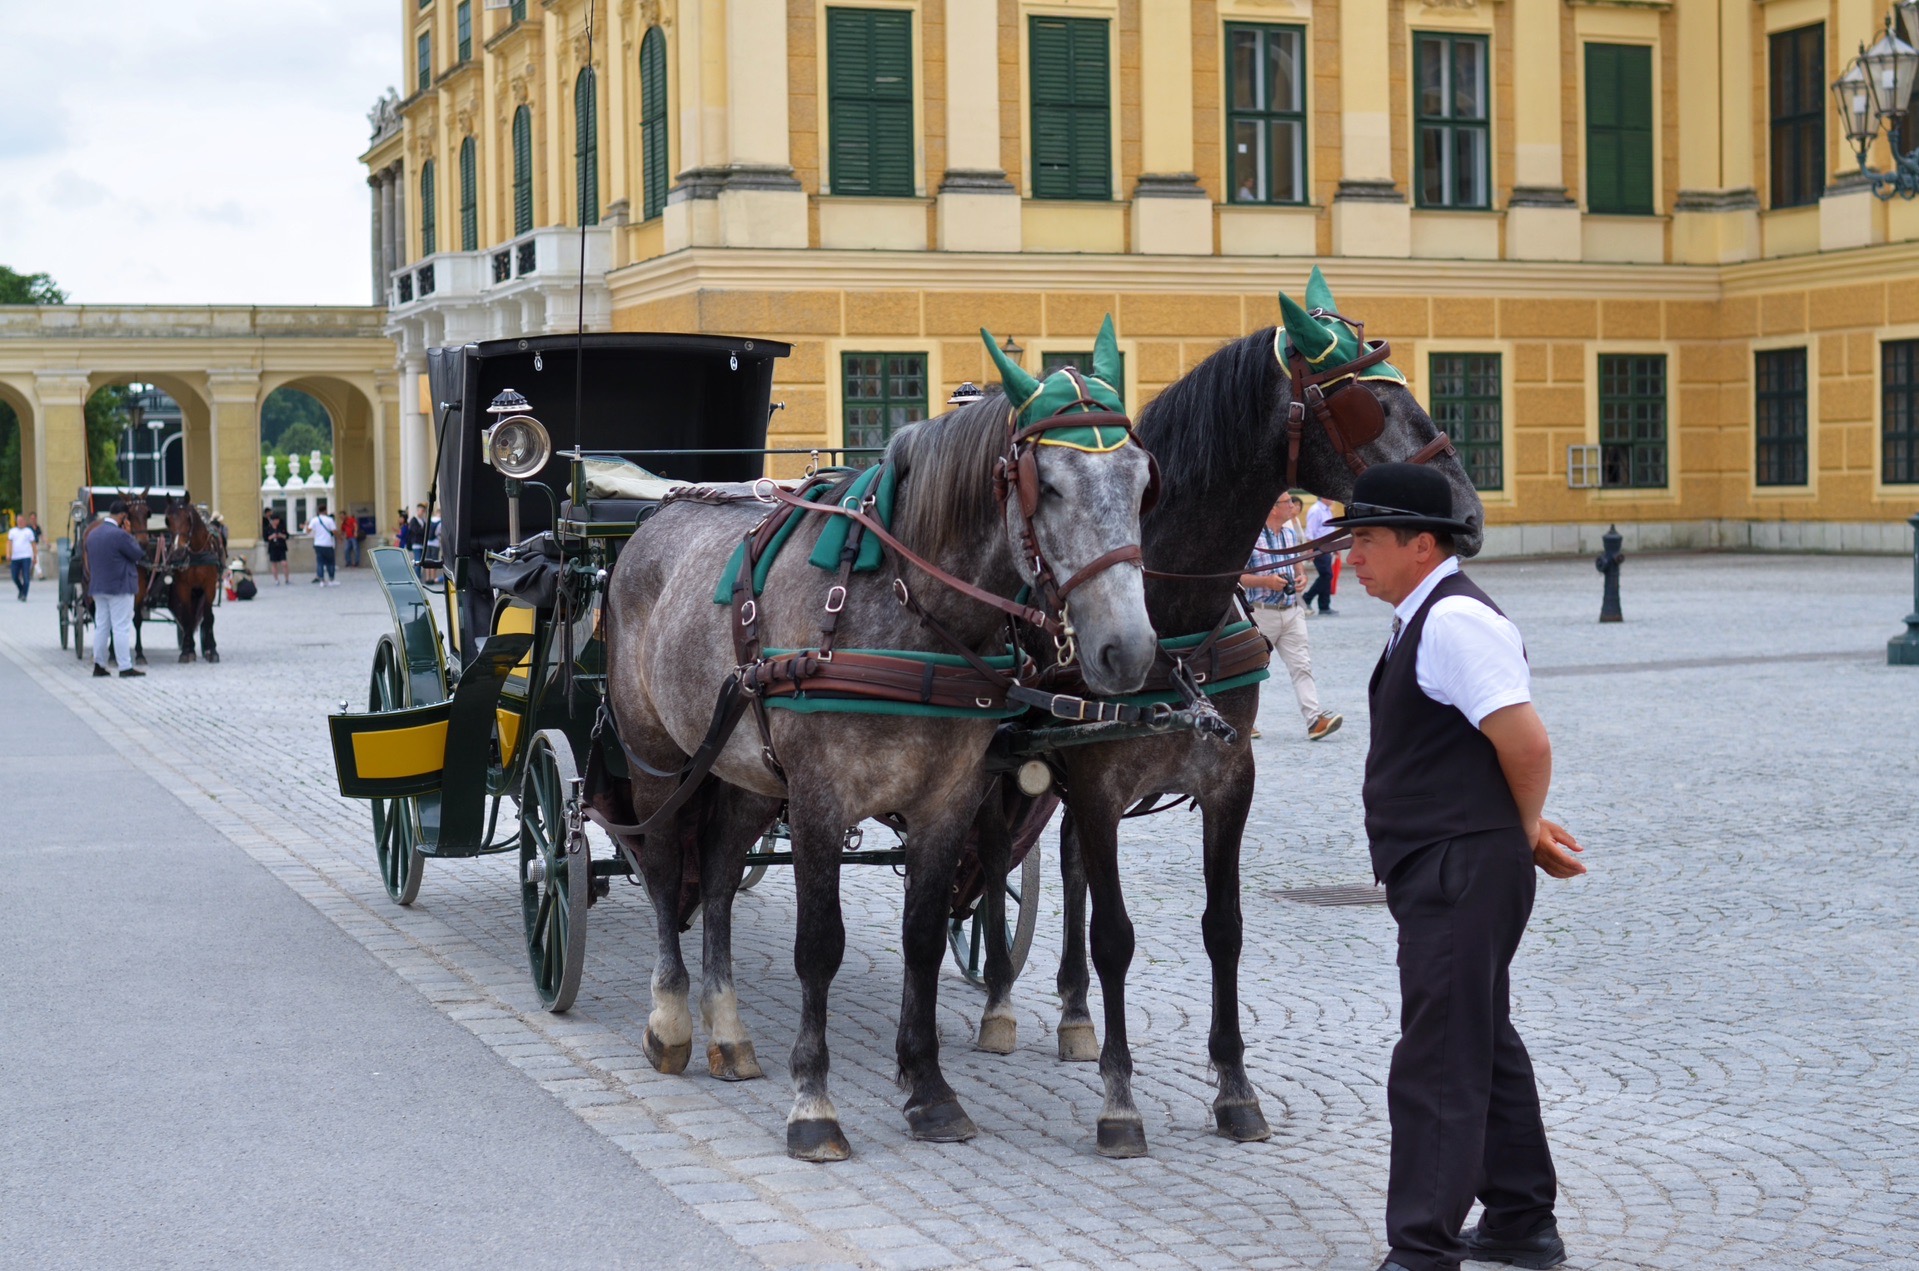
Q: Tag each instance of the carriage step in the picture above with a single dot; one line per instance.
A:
(1352, 894)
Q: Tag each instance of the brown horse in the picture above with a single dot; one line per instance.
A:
(195, 556)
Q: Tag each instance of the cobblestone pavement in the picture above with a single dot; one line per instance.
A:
(1720, 1014)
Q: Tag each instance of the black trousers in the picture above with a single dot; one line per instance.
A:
(1322, 588)
(1465, 1111)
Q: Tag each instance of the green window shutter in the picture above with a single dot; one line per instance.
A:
(428, 228)
(1619, 141)
(423, 58)
(463, 29)
(653, 143)
(469, 197)
(517, 10)
(869, 78)
(1072, 108)
(586, 153)
(522, 170)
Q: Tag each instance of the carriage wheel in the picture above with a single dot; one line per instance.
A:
(967, 936)
(556, 869)
(65, 622)
(78, 621)
(396, 824)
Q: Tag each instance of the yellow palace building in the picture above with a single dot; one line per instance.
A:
(1621, 247)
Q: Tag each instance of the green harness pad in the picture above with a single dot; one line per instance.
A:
(1179, 643)
(806, 704)
(832, 540)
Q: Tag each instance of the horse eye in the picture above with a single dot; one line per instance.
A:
(1047, 491)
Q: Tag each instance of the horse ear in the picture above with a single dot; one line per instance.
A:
(1019, 385)
(1311, 339)
(1318, 294)
(1106, 363)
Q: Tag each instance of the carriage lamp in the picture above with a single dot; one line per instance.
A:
(518, 446)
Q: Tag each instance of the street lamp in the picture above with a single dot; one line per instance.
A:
(154, 426)
(1875, 94)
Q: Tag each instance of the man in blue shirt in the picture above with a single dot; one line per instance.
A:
(1274, 588)
(113, 578)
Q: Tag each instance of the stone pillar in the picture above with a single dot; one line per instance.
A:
(389, 230)
(1716, 212)
(233, 450)
(1172, 214)
(416, 446)
(1542, 221)
(738, 188)
(979, 210)
(1371, 216)
(59, 444)
(385, 459)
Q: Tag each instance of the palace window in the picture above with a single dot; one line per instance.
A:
(1467, 406)
(869, 85)
(463, 29)
(1266, 113)
(653, 143)
(469, 198)
(1080, 358)
(1619, 129)
(522, 170)
(1632, 419)
(586, 153)
(1798, 100)
(1455, 155)
(428, 222)
(1779, 416)
(517, 10)
(423, 60)
(880, 394)
(1072, 108)
(1899, 412)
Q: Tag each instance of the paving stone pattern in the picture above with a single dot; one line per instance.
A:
(1721, 1013)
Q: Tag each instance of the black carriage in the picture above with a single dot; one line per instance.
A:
(76, 605)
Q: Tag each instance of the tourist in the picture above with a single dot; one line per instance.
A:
(21, 542)
(1323, 562)
(277, 550)
(1456, 780)
(350, 539)
(416, 533)
(113, 576)
(322, 528)
(1272, 583)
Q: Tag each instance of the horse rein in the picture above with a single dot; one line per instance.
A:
(1349, 420)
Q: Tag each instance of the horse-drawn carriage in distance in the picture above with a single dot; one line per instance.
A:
(183, 558)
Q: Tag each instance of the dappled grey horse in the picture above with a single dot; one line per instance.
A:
(670, 650)
(1221, 436)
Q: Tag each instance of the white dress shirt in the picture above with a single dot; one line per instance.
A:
(1316, 518)
(1469, 656)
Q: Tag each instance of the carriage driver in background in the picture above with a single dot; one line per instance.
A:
(113, 580)
(1456, 779)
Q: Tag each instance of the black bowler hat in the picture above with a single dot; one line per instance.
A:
(1405, 496)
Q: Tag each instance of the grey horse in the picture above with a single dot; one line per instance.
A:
(670, 649)
(1219, 434)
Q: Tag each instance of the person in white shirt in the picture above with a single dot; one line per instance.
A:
(21, 541)
(1322, 589)
(323, 528)
(1272, 583)
(1456, 781)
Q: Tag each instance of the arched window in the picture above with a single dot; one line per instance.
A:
(469, 198)
(586, 154)
(653, 157)
(522, 170)
(428, 236)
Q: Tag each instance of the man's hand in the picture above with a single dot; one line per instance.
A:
(1553, 848)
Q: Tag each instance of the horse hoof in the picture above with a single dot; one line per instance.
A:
(670, 1060)
(1121, 1140)
(732, 1061)
(821, 1142)
(942, 1122)
(1242, 1122)
(213, 657)
(1078, 1044)
(999, 1034)
(139, 659)
(186, 657)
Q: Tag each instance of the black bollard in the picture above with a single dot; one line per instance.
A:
(1607, 563)
(1903, 650)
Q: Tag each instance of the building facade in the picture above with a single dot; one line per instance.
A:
(1621, 247)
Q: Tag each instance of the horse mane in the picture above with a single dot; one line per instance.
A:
(945, 465)
(1212, 418)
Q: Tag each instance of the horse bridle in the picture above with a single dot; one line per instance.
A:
(1349, 420)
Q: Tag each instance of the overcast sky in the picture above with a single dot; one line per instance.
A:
(191, 151)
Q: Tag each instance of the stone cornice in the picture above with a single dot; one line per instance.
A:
(145, 322)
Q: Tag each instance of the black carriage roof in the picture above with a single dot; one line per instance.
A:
(640, 392)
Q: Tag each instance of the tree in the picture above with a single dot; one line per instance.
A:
(286, 408)
(19, 289)
(29, 289)
(107, 417)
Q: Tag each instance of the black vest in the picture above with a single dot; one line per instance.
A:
(1430, 775)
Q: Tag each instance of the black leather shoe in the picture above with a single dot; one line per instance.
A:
(100, 672)
(1542, 1249)
(132, 673)
(1390, 1265)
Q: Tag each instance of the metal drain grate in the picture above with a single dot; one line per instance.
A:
(1351, 894)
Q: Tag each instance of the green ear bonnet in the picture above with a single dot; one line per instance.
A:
(1067, 389)
(1322, 337)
